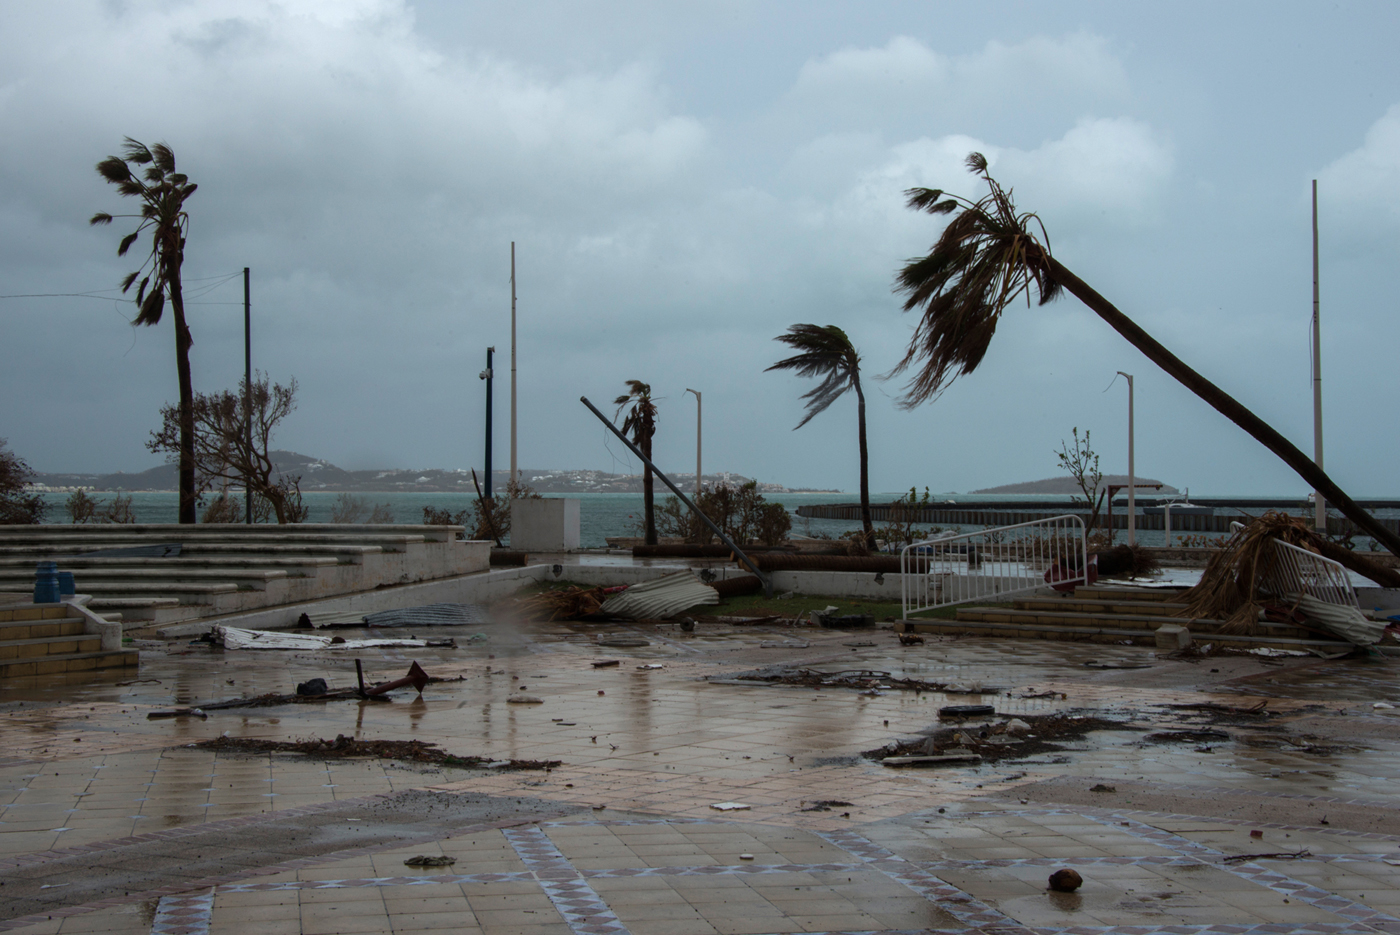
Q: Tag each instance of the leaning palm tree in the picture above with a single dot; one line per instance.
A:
(988, 256)
(162, 192)
(641, 425)
(829, 354)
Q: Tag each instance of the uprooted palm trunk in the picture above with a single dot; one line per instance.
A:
(1229, 589)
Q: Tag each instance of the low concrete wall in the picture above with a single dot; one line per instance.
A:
(486, 587)
(548, 524)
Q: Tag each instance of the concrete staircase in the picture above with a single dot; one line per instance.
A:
(1110, 614)
(50, 639)
(224, 569)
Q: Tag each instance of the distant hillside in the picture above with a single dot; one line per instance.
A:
(1066, 485)
(322, 475)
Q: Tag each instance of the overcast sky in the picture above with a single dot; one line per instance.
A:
(684, 181)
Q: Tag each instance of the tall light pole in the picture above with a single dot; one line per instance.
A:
(513, 465)
(1132, 477)
(697, 439)
(1319, 504)
(248, 393)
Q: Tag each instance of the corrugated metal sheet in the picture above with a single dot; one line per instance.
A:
(237, 638)
(662, 598)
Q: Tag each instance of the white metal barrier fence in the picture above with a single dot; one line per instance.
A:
(1295, 571)
(993, 564)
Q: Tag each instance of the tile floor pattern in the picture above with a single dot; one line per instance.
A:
(969, 871)
(646, 752)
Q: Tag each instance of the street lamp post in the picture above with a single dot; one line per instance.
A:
(697, 439)
(1132, 478)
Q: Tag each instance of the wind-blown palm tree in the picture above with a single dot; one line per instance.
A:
(829, 354)
(162, 192)
(641, 425)
(986, 258)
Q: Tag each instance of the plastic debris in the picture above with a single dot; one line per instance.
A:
(730, 807)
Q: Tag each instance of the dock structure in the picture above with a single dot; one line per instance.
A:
(1202, 515)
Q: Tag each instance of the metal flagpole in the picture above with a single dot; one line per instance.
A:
(1319, 504)
(248, 394)
(513, 464)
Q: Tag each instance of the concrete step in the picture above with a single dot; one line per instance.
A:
(1121, 635)
(1144, 622)
(1105, 592)
(48, 629)
(146, 610)
(68, 662)
(251, 577)
(173, 531)
(109, 540)
(252, 551)
(36, 647)
(306, 564)
(1073, 603)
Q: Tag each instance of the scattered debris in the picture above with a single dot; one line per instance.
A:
(607, 663)
(417, 751)
(423, 860)
(1065, 881)
(968, 710)
(785, 644)
(910, 639)
(730, 807)
(993, 742)
(624, 641)
(942, 759)
(1095, 664)
(1189, 736)
(562, 603)
(1278, 855)
(524, 699)
(430, 615)
(238, 638)
(1100, 787)
(746, 857)
(178, 712)
(661, 598)
(312, 687)
(826, 805)
(864, 644)
(415, 677)
(848, 678)
(652, 665)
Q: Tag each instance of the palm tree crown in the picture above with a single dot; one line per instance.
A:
(641, 425)
(162, 192)
(823, 352)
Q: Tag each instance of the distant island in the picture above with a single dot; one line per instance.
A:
(1066, 485)
(317, 474)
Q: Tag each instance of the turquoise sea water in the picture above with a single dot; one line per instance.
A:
(602, 514)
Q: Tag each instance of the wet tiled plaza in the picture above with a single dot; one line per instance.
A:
(110, 822)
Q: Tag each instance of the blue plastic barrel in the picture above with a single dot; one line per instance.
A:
(46, 583)
(66, 586)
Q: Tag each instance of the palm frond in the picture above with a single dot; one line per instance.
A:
(824, 352)
(986, 258)
(126, 243)
(101, 217)
(151, 309)
(114, 169)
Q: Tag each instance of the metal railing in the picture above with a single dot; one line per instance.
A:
(993, 564)
(1297, 571)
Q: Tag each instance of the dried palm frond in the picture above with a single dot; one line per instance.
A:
(562, 604)
(1229, 587)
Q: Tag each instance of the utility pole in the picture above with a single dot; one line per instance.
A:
(1132, 476)
(514, 465)
(697, 439)
(248, 395)
(487, 375)
(1319, 504)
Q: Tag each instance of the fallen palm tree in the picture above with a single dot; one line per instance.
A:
(1251, 577)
